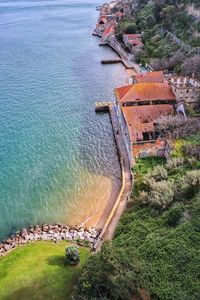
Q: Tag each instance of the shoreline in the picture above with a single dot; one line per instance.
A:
(90, 229)
(48, 232)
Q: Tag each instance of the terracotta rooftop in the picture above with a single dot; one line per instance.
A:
(102, 19)
(119, 14)
(135, 42)
(150, 77)
(144, 92)
(131, 36)
(108, 30)
(146, 113)
(139, 118)
(136, 131)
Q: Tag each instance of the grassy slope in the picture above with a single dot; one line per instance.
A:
(38, 271)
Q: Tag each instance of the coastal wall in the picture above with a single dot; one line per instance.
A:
(127, 184)
(48, 232)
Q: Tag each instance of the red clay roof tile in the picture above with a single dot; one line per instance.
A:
(140, 118)
(149, 77)
(108, 30)
(144, 92)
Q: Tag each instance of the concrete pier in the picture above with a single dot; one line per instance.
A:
(102, 106)
(111, 61)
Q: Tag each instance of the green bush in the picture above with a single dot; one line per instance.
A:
(130, 29)
(192, 178)
(174, 215)
(86, 243)
(72, 254)
(192, 162)
(174, 163)
(149, 251)
(160, 194)
(110, 274)
(79, 241)
(158, 173)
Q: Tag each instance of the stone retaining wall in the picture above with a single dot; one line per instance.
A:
(47, 232)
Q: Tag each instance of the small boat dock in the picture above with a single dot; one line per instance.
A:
(102, 106)
(111, 61)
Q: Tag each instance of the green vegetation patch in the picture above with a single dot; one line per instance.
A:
(156, 249)
(38, 271)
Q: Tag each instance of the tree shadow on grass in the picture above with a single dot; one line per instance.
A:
(57, 260)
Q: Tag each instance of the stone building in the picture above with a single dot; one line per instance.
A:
(132, 41)
(145, 94)
(137, 106)
(101, 25)
(186, 89)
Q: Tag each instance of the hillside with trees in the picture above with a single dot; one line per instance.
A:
(171, 33)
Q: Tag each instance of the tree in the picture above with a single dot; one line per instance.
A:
(190, 67)
(160, 194)
(72, 254)
(176, 126)
(112, 273)
(130, 29)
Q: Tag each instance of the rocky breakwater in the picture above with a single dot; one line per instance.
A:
(47, 232)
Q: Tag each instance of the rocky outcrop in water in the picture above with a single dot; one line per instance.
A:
(47, 232)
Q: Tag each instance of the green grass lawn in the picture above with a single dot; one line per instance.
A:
(38, 271)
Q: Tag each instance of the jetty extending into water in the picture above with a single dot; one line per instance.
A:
(111, 61)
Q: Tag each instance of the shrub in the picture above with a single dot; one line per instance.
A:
(86, 243)
(110, 274)
(192, 161)
(144, 198)
(159, 173)
(130, 29)
(192, 178)
(176, 126)
(72, 254)
(79, 241)
(174, 215)
(162, 194)
(191, 150)
(174, 163)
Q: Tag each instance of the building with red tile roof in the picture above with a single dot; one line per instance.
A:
(145, 93)
(132, 41)
(137, 107)
(156, 77)
(108, 31)
(131, 36)
(139, 120)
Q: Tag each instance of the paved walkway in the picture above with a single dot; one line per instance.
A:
(109, 228)
(126, 58)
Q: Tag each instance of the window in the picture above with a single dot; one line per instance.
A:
(145, 136)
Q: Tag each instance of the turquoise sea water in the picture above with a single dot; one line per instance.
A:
(55, 152)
